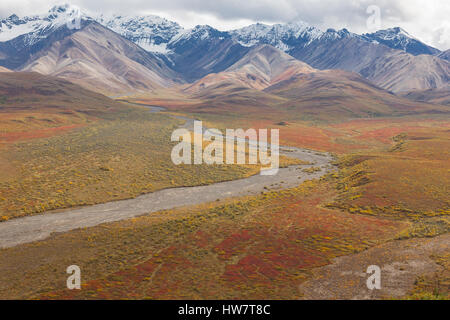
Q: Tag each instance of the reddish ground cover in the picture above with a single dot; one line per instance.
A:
(39, 133)
(265, 253)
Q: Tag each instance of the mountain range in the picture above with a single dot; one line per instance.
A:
(117, 54)
(267, 80)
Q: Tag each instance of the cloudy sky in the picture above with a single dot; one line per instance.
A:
(426, 20)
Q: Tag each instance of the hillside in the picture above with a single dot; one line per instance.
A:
(260, 68)
(100, 59)
(203, 50)
(437, 96)
(45, 97)
(274, 84)
(390, 69)
(333, 95)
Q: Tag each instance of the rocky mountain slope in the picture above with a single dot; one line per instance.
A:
(445, 55)
(69, 44)
(337, 94)
(398, 38)
(268, 80)
(438, 96)
(36, 93)
(101, 60)
(260, 68)
(150, 32)
(203, 50)
(391, 58)
(391, 69)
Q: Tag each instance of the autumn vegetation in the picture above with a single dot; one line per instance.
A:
(391, 185)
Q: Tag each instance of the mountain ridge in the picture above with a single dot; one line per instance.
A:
(276, 83)
(391, 58)
(155, 33)
(263, 66)
(101, 60)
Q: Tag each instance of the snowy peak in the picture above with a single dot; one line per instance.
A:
(252, 34)
(332, 34)
(150, 32)
(38, 27)
(64, 9)
(13, 20)
(257, 30)
(198, 33)
(400, 39)
(281, 36)
(400, 31)
(159, 35)
(397, 35)
(65, 15)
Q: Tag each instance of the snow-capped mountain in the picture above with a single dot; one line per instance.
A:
(202, 50)
(398, 38)
(156, 34)
(194, 53)
(150, 32)
(281, 36)
(68, 43)
(33, 29)
(332, 34)
(198, 33)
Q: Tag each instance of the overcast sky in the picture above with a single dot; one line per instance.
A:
(428, 20)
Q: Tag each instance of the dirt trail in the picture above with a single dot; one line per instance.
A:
(401, 263)
(34, 228)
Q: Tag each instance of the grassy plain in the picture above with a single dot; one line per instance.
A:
(110, 159)
(392, 188)
(258, 247)
(62, 146)
(392, 185)
(393, 170)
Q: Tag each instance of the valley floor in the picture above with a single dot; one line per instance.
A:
(38, 227)
(291, 238)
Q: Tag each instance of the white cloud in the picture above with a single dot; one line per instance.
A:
(427, 20)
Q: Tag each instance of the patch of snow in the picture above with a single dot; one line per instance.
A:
(250, 43)
(183, 34)
(141, 29)
(198, 32)
(9, 32)
(39, 26)
(152, 47)
(277, 35)
(282, 46)
(159, 35)
(150, 32)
